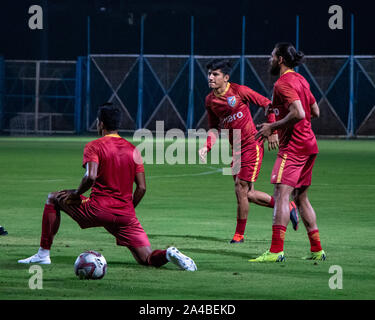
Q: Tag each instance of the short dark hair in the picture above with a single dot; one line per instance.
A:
(223, 64)
(292, 57)
(110, 116)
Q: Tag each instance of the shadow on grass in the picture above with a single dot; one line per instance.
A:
(204, 238)
(221, 252)
(154, 236)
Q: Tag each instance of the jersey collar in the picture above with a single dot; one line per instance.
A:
(223, 93)
(289, 70)
(114, 135)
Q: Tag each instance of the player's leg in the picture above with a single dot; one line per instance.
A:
(285, 176)
(307, 212)
(146, 256)
(281, 210)
(250, 168)
(308, 217)
(304, 206)
(245, 170)
(50, 226)
(281, 217)
(260, 198)
(264, 199)
(242, 188)
(129, 232)
(157, 258)
(51, 222)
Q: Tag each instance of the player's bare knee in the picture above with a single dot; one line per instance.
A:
(251, 196)
(241, 186)
(241, 191)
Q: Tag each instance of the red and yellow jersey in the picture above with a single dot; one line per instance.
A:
(230, 110)
(119, 161)
(298, 139)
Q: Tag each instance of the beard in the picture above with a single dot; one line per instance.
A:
(274, 69)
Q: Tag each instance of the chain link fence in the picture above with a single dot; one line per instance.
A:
(39, 97)
(47, 97)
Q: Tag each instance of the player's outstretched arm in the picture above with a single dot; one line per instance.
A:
(140, 189)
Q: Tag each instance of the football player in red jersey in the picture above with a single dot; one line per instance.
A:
(294, 105)
(227, 107)
(112, 166)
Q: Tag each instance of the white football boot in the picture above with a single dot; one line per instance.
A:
(36, 258)
(180, 260)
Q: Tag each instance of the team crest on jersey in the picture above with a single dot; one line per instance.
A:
(231, 101)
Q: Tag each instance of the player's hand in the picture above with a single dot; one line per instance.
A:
(69, 197)
(273, 141)
(264, 131)
(203, 154)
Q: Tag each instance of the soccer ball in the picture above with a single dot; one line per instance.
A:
(90, 265)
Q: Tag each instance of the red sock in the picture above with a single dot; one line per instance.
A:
(271, 204)
(241, 225)
(50, 225)
(157, 258)
(278, 236)
(314, 240)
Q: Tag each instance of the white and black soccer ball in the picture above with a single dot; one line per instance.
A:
(90, 265)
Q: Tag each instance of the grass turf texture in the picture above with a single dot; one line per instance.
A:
(191, 207)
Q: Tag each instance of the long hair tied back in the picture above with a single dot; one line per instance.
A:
(292, 57)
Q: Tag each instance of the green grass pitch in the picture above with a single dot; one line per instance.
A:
(191, 207)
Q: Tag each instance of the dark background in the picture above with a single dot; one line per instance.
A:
(115, 27)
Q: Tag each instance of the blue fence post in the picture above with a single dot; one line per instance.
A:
(350, 126)
(88, 76)
(78, 96)
(2, 92)
(242, 61)
(297, 37)
(139, 121)
(190, 116)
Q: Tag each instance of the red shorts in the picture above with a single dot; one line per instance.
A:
(293, 170)
(247, 165)
(125, 228)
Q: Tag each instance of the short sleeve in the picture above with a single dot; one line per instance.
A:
(90, 154)
(250, 96)
(286, 93)
(138, 161)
